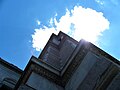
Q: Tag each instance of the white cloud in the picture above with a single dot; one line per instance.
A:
(38, 22)
(41, 36)
(79, 23)
(101, 2)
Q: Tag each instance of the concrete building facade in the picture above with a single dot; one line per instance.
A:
(66, 64)
(9, 75)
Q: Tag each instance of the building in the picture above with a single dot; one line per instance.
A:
(65, 64)
(9, 75)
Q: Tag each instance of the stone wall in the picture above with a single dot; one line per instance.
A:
(81, 72)
(95, 73)
(8, 76)
(40, 83)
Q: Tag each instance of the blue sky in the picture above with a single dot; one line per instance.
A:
(25, 25)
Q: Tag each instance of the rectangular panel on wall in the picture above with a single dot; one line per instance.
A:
(40, 83)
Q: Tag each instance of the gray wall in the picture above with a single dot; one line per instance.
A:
(81, 72)
(40, 83)
(6, 73)
(115, 84)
